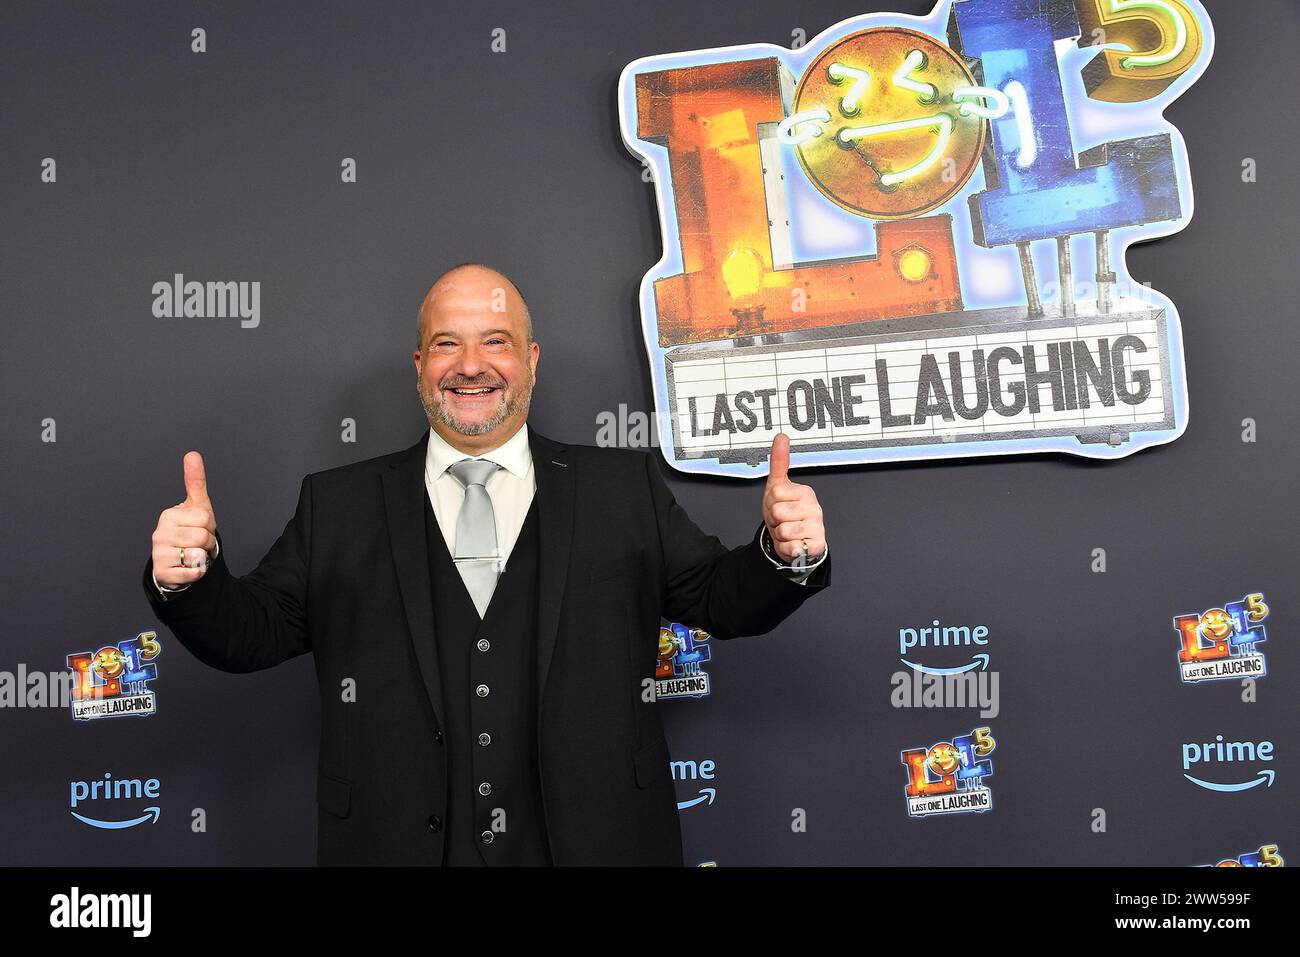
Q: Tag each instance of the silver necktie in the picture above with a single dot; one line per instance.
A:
(476, 555)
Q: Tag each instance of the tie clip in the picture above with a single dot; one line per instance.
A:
(494, 559)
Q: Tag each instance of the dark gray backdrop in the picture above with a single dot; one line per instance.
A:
(225, 166)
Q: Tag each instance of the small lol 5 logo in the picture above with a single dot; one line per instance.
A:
(678, 671)
(1220, 643)
(1266, 856)
(112, 681)
(947, 777)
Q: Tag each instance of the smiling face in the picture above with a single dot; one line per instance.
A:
(477, 362)
(943, 759)
(108, 663)
(1216, 624)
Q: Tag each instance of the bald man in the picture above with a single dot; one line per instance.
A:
(484, 612)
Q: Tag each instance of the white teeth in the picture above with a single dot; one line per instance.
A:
(471, 391)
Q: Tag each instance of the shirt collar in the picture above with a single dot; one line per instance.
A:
(514, 454)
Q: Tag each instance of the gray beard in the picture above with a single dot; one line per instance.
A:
(436, 411)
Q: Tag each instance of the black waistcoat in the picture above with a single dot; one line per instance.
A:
(489, 670)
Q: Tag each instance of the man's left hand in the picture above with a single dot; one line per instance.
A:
(790, 510)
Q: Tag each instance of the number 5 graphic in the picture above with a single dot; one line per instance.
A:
(1160, 40)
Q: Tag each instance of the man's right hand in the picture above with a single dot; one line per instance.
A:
(191, 525)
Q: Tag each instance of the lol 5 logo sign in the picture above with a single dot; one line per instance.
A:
(1221, 642)
(948, 777)
(853, 256)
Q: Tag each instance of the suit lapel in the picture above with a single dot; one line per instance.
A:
(553, 468)
(404, 494)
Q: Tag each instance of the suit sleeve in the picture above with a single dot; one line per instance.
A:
(249, 623)
(729, 593)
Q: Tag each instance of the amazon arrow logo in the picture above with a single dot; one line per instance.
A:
(109, 788)
(980, 661)
(151, 815)
(707, 796)
(1265, 777)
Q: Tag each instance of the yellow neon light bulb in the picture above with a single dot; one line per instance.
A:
(915, 265)
(742, 273)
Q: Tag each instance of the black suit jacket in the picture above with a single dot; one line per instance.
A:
(348, 580)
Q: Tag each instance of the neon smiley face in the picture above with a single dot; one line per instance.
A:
(943, 759)
(1216, 624)
(888, 123)
(108, 663)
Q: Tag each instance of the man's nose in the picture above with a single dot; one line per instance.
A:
(472, 363)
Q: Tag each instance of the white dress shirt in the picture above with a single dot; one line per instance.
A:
(510, 487)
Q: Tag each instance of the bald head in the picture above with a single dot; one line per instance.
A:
(471, 287)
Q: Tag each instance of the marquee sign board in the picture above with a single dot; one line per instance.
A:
(906, 240)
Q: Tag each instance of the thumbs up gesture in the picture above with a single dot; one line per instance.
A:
(790, 511)
(186, 531)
